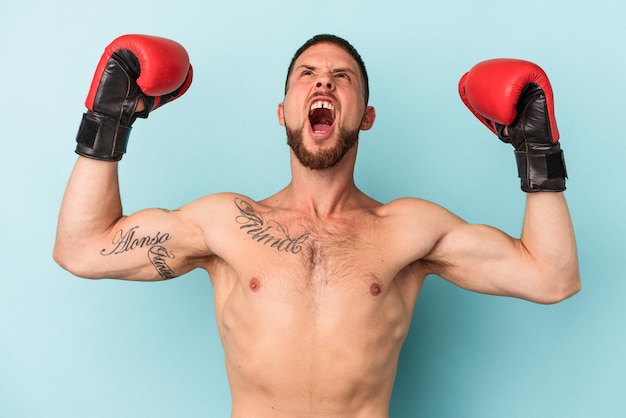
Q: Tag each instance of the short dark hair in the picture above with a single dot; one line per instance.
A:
(334, 40)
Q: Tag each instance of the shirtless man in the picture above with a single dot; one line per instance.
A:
(314, 286)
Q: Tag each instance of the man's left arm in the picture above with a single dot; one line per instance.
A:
(549, 241)
(514, 99)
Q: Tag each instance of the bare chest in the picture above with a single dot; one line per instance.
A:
(317, 253)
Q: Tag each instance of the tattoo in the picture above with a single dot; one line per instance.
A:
(158, 256)
(269, 233)
(157, 253)
(126, 241)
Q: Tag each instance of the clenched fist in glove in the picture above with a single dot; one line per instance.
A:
(514, 99)
(133, 68)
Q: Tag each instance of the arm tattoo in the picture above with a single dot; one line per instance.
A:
(128, 241)
(269, 233)
(157, 254)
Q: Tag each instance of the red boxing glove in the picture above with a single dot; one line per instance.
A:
(517, 94)
(132, 67)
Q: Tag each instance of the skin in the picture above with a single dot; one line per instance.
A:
(314, 286)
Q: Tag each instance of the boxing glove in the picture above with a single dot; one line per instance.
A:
(516, 94)
(132, 68)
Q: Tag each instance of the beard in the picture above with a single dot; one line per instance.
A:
(323, 159)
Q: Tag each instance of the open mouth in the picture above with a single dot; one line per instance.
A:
(321, 116)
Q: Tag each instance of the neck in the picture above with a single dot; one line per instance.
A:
(322, 193)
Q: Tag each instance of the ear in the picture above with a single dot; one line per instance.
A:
(368, 118)
(281, 114)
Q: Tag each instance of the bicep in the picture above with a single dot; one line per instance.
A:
(484, 259)
(476, 257)
(152, 244)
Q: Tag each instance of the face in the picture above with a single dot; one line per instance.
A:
(324, 108)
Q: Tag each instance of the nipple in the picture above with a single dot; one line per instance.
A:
(255, 284)
(375, 289)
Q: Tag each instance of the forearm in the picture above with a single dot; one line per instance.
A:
(548, 237)
(90, 208)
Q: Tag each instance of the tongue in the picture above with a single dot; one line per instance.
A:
(321, 128)
(321, 120)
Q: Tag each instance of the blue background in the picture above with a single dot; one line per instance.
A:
(78, 348)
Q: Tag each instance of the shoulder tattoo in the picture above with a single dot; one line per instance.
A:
(267, 232)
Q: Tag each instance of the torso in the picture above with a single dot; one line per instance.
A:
(312, 314)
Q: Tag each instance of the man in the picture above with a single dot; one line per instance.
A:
(315, 286)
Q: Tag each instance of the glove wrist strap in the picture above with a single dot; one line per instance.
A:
(101, 138)
(541, 168)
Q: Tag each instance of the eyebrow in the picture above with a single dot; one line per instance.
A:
(334, 71)
(344, 70)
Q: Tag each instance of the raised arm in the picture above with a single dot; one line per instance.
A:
(514, 100)
(540, 266)
(135, 75)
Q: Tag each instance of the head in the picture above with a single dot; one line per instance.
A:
(343, 44)
(325, 106)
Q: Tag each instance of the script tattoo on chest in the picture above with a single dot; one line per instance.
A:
(125, 241)
(267, 232)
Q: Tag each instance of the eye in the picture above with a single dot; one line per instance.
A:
(306, 72)
(342, 75)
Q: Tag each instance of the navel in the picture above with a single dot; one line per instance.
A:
(255, 284)
(375, 289)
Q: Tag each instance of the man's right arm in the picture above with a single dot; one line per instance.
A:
(94, 239)
(136, 75)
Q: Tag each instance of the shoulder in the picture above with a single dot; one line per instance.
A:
(413, 227)
(211, 211)
(419, 210)
(418, 216)
(217, 217)
(218, 202)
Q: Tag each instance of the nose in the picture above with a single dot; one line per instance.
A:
(320, 84)
(324, 81)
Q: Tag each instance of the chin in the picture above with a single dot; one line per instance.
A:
(321, 159)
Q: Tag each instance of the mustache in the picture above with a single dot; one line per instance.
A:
(319, 94)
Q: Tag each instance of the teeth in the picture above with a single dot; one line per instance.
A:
(322, 105)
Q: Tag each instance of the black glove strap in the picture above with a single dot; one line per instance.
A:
(101, 138)
(541, 168)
